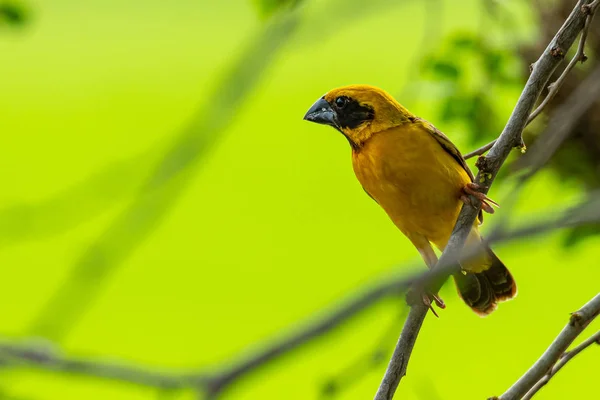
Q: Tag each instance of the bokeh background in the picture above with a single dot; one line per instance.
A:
(164, 205)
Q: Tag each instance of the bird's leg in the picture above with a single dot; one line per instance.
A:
(473, 189)
(430, 259)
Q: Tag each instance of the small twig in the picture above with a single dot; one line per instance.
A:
(577, 323)
(553, 88)
(564, 359)
(579, 56)
(488, 169)
(562, 123)
(480, 150)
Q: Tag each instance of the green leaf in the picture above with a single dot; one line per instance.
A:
(445, 70)
(465, 41)
(12, 13)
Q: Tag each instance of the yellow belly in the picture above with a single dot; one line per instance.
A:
(414, 180)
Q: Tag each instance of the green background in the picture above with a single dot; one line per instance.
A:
(267, 227)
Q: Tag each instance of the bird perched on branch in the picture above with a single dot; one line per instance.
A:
(415, 173)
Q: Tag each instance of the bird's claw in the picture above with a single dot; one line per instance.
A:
(473, 189)
(428, 299)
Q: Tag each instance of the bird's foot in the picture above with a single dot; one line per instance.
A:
(473, 189)
(427, 298)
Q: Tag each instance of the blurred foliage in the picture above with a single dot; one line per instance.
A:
(13, 13)
(471, 70)
(266, 8)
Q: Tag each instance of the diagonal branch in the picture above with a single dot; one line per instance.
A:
(488, 169)
(165, 183)
(563, 360)
(547, 365)
(589, 10)
(561, 125)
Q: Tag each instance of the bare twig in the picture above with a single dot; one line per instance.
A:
(488, 168)
(564, 359)
(579, 56)
(544, 366)
(480, 150)
(589, 10)
(562, 122)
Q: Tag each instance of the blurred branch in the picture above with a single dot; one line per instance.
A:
(120, 181)
(166, 183)
(47, 356)
(213, 381)
(488, 169)
(555, 357)
(588, 10)
(169, 179)
(360, 367)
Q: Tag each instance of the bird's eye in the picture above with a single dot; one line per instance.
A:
(341, 101)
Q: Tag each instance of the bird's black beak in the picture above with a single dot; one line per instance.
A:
(322, 113)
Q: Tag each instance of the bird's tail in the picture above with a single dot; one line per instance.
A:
(489, 283)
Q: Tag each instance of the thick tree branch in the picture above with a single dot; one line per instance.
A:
(488, 169)
(589, 10)
(531, 382)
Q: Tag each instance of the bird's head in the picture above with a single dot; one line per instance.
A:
(358, 111)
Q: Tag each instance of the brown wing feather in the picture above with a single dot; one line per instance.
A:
(447, 145)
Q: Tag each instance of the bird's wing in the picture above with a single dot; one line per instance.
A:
(447, 145)
(369, 194)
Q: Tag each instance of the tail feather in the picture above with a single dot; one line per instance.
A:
(482, 291)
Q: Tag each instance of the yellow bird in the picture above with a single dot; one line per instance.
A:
(415, 173)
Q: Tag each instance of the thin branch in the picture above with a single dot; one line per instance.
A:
(480, 150)
(577, 323)
(564, 359)
(553, 88)
(399, 361)
(213, 381)
(488, 168)
(562, 123)
(579, 56)
(49, 357)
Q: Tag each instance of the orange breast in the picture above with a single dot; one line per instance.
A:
(414, 180)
